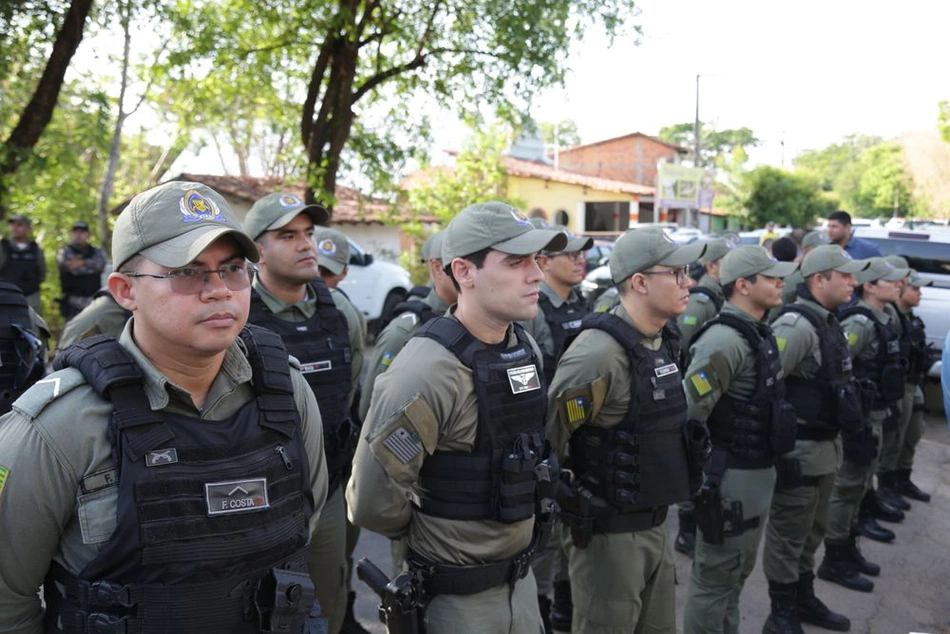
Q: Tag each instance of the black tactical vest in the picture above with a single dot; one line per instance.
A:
(21, 362)
(417, 307)
(642, 462)
(82, 284)
(920, 355)
(322, 345)
(565, 322)
(496, 481)
(711, 294)
(755, 430)
(22, 268)
(212, 516)
(886, 370)
(830, 400)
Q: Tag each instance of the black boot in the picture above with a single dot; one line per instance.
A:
(837, 567)
(544, 604)
(889, 493)
(784, 617)
(350, 624)
(871, 505)
(908, 488)
(812, 610)
(686, 538)
(864, 566)
(562, 610)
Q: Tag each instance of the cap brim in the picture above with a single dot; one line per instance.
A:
(920, 281)
(780, 269)
(855, 266)
(533, 241)
(330, 264)
(186, 248)
(579, 243)
(896, 275)
(681, 256)
(317, 214)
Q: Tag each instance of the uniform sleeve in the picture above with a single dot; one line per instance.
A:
(38, 490)
(539, 330)
(714, 360)
(697, 313)
(98, 261)
(859, 332)
(311, 428)
(413, 403)
(796, 341)
(355, 331)
(388, 344)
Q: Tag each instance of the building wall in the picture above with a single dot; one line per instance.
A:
(630, 159)
(551, 196)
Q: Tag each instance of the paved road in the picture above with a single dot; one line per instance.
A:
(911, 595)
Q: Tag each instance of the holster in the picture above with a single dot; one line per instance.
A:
(284, 599)
(698, 448)
(575, 509)
(709, 517)
(403, 598)
(890, 423)
(788, 474)
(861, 447)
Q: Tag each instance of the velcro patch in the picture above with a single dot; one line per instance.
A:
(524, 379)
(700, 383)
(161, 457)
(316, 366)
(782, 342)
(404, 444)
(664, 370)
(236, 496)
(387, 359)
(690, 320)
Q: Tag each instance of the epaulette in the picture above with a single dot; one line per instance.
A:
(47, 390)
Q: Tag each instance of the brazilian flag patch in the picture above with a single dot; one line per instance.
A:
(4, 473)
(852, 338)
(690, 320)
(387, 359)
(576, 410)
(782, 342)
(701, 383)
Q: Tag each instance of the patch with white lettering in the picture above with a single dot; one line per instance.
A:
(665, 370)
(236, 496)
(99, 480)
(572, 325)
(524, 379)
(316, 366)
(404, 444)
(160, 457)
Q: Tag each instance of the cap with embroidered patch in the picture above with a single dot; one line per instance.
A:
(831, 257)
(881, 269)
(172, 224)
(432, 248)
(752, 260)
(498, 226)
(277, 210)
(639, 249)
(333, 250)
(813, 239)
(716, 250)
(574, 243)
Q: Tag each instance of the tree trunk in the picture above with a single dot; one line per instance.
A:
(39, 111)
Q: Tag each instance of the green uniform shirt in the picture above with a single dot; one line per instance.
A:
(700, 309)
(307, 307)
(607, 300)
(424, 402)
(390, 341)
(861, 333)
(800, 350)
(55, 441)
(538, 327)
(102, 317)
(595, 367)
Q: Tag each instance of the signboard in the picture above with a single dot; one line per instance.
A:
(684, 187)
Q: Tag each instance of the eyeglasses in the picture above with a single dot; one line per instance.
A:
(192, 281)
(681, 274)
(575, 256)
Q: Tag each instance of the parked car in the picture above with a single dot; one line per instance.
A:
(598, 254)
(374, 286)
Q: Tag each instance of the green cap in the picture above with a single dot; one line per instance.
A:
(432, 248)
(498, 226)
(752, 260)
(639, 249)
(813, 239)
(881, 269)
(717, 250)
(831, 257)
(277, 210)
(172, 224)
(897, 261)
(918, 281)
(333, 250)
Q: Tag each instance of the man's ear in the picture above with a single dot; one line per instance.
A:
(120, 285)
(464, 272)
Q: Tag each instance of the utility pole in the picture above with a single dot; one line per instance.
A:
(696, 160)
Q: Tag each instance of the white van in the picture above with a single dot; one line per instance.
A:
(374, 286)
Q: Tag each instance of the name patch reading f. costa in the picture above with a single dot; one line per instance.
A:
(663, 370)
(236, 496)
(524, 379)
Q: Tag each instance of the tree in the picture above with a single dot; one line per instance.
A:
(716, 147)
(770, 194)
(834, 166)
(884, 187)
(944, 120)
(563, 133)
(374, 60)
(39, 111)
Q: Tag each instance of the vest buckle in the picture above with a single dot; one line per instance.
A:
(99, 623)
(107, 594)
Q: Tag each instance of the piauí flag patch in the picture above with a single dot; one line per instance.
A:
(4, 474)
(701, 383)
(576, 410)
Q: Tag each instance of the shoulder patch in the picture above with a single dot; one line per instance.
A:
(690, 320)
(853, 338)
(47, 390)
(4, 474)
(702, 298)
(782, 342)
(575, 406)
(386, 359)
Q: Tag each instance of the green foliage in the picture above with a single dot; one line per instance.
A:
(717, 148)
(943, 120)
(567, 135)
(770, 194)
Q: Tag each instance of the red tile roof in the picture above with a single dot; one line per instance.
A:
(672, 146)
(532, 169)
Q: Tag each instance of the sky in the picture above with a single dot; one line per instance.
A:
(804, 72)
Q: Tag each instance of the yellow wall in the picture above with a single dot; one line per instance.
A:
(551, 196)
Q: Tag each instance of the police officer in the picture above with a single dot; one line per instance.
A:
(119, 496)
(734, 384)
(618, 408)
(875, 349)
(456, 423)
(289, 298)
(897, 454)
(820, 386)
(22, 262)
(24, 338)
(333, 258)
(705, 301)
(103, 316)
(80, 271)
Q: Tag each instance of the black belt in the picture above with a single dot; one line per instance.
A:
(806, 432)
(464, 580)
(630, 522)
